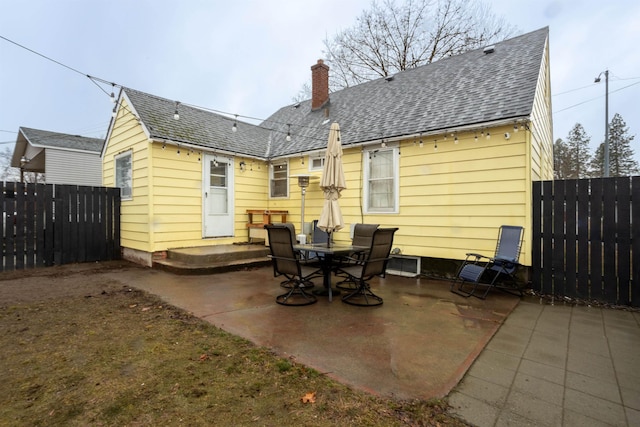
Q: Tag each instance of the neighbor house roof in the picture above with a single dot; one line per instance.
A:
(482, 86)
(48, 139)
(43, 139)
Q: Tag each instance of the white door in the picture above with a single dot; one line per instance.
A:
(217, 197)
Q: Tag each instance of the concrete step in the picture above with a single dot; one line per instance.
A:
(213, 259)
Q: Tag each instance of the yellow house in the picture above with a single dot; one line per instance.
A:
(447, 152)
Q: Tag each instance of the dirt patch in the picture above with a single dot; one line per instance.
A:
(41, 284)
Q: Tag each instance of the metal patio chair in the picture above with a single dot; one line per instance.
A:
(362, 236)
(374, 264)
(287, 263)
(496, 272)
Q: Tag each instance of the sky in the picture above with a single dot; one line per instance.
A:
(251, 57)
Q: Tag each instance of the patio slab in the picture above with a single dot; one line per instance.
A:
(418, 344)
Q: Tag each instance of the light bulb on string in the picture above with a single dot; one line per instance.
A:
(455, 139)
(488, 135)
(435, 145)
(515, 128)
(113, 95)
(234, 128)
(176, 116)
(288, 133)
(114, 112)
(475, 138)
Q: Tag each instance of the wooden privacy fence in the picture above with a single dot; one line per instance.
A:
(47, 224)
(586, 243)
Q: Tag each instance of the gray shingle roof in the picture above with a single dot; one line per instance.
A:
(197, 126)
(467, 89)
(463, 90)
(45, 138)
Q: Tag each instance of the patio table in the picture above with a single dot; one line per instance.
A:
(326, 260)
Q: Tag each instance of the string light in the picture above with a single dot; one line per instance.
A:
(455, 139)
(234, 128)
(435, 145)
(164, 145)
(475, 138)
(176, 115)
(288, 132)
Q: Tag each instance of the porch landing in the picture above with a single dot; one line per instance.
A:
(213, 259)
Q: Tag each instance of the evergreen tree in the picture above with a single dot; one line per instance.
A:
(578, 155)
(621, 161)
(561, 160)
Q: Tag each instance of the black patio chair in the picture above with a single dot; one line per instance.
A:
(496, 272)
(374, 264)
(286, 263)
(362, 236)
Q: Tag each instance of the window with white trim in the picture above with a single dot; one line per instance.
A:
(381, 190)
(123, 175)
(316, 162)
(279, 179)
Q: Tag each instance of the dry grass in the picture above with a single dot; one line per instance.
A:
(124, 357)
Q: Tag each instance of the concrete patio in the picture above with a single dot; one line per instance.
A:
(418, 344)
(502, 361)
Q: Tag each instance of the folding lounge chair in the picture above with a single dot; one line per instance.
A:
(492, 272)
(286, 263)
(374, 264)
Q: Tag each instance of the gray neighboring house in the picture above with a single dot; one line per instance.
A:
(62, 158)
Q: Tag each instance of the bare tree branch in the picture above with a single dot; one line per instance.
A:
(392, 37)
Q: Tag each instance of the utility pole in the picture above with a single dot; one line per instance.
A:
(606, 120)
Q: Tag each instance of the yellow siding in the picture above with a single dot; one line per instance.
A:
(127, 134)
(452, 200)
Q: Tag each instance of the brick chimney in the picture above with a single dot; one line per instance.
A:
(319, 84)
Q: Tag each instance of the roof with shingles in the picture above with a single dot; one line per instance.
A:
(196, 126)
(460, 91)
(48, 139)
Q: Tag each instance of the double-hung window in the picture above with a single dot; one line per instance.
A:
(381, 180)
(279, 179)
(123, 174)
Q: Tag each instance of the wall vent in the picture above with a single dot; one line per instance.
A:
(402, 265)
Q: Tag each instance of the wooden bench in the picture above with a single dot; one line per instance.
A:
(257, 220)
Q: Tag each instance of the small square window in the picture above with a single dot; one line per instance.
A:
(316, 163)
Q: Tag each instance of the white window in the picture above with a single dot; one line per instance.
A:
(123, 174)
(381, 180)
(279, 179)
(316, 162)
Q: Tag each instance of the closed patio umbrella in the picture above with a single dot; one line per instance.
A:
(332, 183)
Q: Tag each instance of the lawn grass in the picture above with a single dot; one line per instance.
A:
(124, 357)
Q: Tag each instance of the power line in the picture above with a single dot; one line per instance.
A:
(593, 99)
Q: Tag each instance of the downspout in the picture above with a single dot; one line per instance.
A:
(528, 232)
(150, 214)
